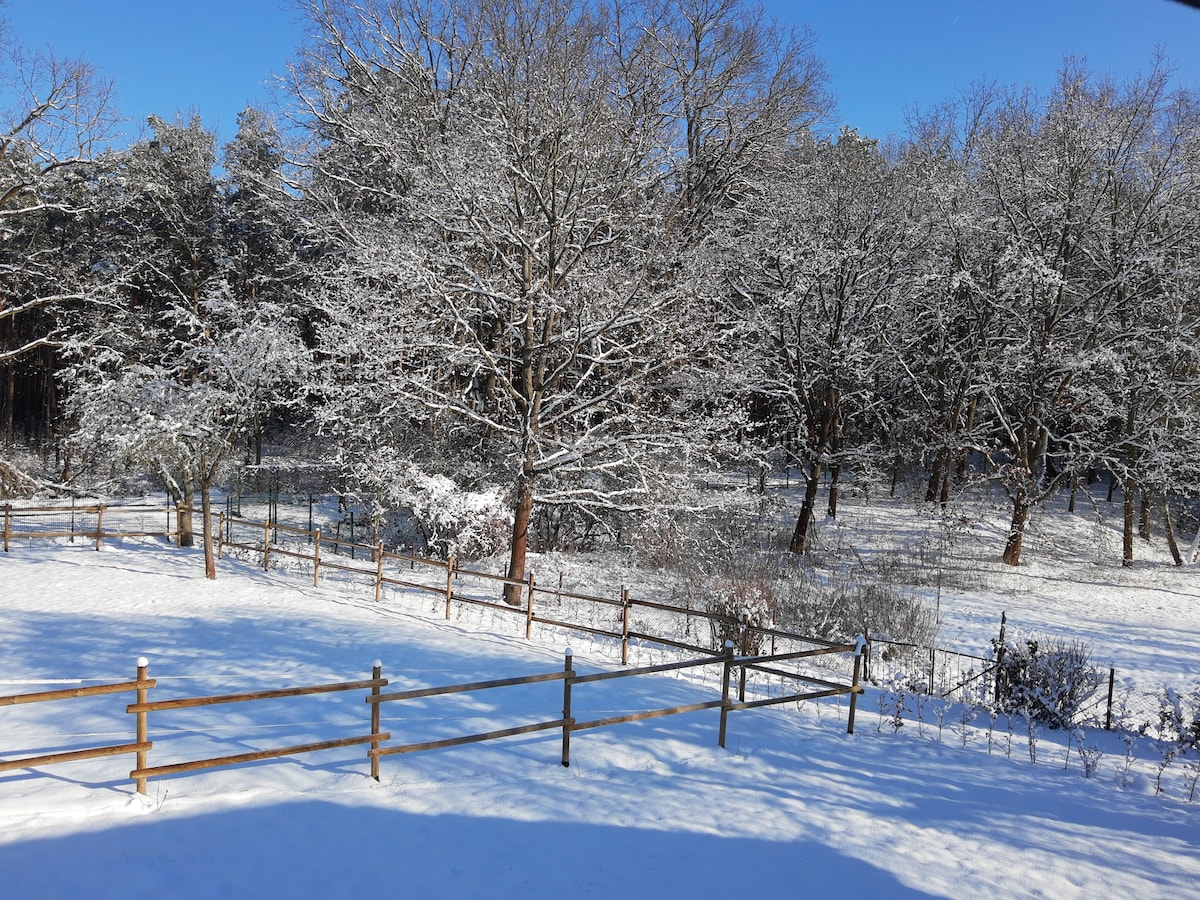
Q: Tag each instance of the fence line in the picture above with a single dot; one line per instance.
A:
(944, 672)
(376, 737)
(94, 521)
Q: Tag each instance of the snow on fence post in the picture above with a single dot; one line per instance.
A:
(378, 550)
(99, 524)
(624, 625)
(567, 720)
(142, 724)
(376, 675)
(266, 543)
(529, 610)
(449, 584)
(317, 558)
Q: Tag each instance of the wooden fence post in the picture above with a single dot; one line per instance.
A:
(99, 524)
(317, 558)
(567, 720)
(449, 584)
(725, 678)
(142, 724)
(855, 689)
(624, 625)
(376, 674)
(529, 610)
(378, 548)
(266, 543)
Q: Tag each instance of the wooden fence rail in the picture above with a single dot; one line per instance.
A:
(571, 679)
(141, 684)
(377, 737)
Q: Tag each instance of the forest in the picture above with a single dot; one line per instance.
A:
(555, 261)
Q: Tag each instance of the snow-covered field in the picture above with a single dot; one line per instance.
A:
(793, 806)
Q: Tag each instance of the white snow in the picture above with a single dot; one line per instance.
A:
(793, 807)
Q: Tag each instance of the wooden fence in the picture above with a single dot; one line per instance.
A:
(452, 583)
(93, 522)
(377, 738)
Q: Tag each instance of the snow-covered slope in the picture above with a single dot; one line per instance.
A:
(793, 806)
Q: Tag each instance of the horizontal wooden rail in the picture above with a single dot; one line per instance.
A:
(556, 592)
(573, 626)
(789, 636)
(667, 642)
(649, 714)
(417, 693)
(651, 670)
(466, 739)
(219, 761)
(486, 576)
(775, 701)
(49, 759)
(490, 604)
(683, 611)
(797, 676)
(798, 654)
(415, 585)
(412, 558)
(69, 693)
(188, 702)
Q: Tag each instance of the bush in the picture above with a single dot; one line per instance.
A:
(841, 607)
(737, 601)
(1047, 680)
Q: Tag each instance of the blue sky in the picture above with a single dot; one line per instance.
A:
(213, 56)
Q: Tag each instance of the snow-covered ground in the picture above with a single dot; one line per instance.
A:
(792, 806)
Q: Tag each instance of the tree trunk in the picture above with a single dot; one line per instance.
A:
(1016, 533)
(1144, 515)
(934, 488)
(183, 519)
(522, 513)
(1127, 530)
(804, 521)
(835, 474)
(210, 561)
(1172, 544)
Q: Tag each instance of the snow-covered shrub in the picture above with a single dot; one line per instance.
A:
(839, 608)
(468, 524)
(1047, 680)
(739, 602)
(1177, 729)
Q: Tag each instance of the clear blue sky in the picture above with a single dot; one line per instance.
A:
(213, 56)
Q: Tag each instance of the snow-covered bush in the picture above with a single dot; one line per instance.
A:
(449, 518)
(1177, 730)
(1049, 680)
(841, 607)
(739, 602)
(469, 524)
